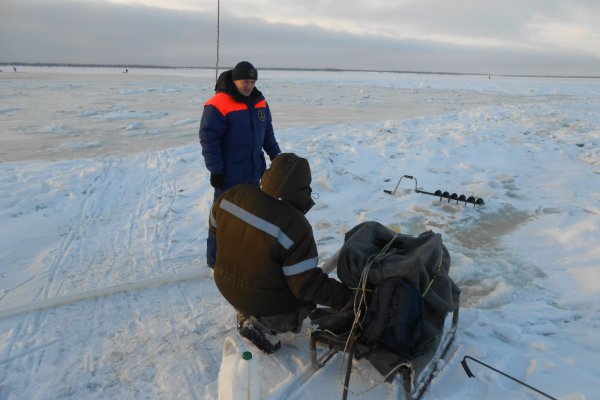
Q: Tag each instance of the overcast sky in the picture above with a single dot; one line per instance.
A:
(542, 37)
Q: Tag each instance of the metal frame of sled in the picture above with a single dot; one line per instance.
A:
(416, 372)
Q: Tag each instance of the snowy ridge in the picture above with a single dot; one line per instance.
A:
(100, 292)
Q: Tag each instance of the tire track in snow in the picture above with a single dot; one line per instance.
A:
(131, 239)
(158, 233)
(26, 331)
(87, 213)
(27, 351)
(163, 192)
(82, 255)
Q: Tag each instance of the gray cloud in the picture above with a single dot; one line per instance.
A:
(95, 32)
(81, 32)
(509, 21)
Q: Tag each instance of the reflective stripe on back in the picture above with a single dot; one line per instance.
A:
(258, 223)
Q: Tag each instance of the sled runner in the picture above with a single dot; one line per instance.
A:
(405, 311)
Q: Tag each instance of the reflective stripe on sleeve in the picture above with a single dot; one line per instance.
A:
(300, 267)
(258, 223)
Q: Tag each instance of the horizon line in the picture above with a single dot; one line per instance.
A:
(327, 69)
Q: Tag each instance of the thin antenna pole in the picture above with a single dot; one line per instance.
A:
(218, 38)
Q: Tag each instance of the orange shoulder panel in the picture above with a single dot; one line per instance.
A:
(225, 103)
(261, 104)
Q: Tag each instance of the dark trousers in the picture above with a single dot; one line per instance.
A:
(211, 241)
(280, 323)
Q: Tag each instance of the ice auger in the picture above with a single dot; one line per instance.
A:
(438, 193)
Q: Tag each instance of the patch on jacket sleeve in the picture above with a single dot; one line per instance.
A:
(262, 115)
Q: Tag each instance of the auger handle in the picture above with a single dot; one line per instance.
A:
(398, 184)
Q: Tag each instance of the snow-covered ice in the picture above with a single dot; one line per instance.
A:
(104, 292)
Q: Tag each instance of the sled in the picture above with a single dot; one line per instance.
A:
(414, 373)
(363, 263)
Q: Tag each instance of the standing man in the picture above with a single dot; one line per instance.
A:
(267, 256)
(236, 126)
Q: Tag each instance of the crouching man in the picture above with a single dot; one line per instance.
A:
(267, 256)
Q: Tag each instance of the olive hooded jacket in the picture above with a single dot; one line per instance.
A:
(266, 252)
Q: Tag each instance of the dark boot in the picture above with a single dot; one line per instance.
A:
(248, 330)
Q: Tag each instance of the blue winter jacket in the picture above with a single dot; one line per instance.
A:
(234, 130)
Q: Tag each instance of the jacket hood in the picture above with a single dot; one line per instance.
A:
(225, 84)
(288, 179)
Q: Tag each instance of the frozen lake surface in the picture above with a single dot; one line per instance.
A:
(104, 199)
(56, 113)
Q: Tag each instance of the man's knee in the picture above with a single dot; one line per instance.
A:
(282, 323)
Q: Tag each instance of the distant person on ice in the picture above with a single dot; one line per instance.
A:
(267, 256)
(236, 126)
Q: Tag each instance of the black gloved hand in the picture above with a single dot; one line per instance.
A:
(349, 305)
(217, 180)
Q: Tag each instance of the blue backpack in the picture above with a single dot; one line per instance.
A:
(394, 317)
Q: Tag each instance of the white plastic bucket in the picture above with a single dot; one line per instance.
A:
(239, 377)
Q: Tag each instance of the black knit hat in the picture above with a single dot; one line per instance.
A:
(244, 70)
